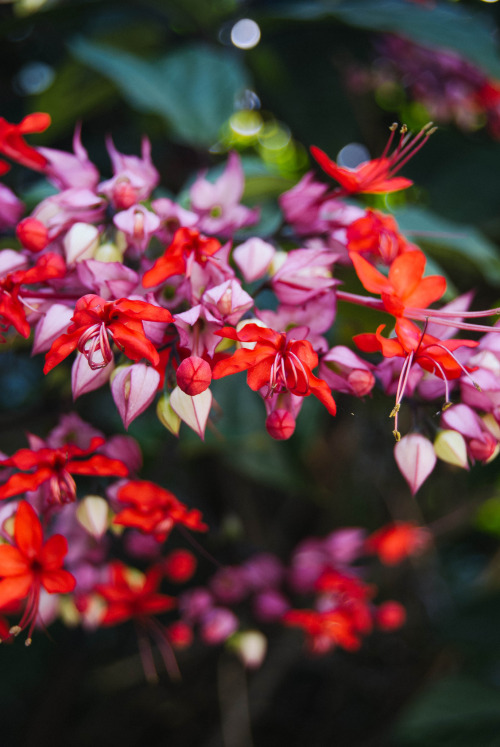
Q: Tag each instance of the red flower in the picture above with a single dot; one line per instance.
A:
(376, 175)
(379, 234)
(12, 309)
(131, 594)
(56, 466)
(405, 287)
(412, 344)
(96, 320)
(30, 564)
(154, 510)
(325, 630)
(431, 353)
(13, 146)
(188, 246)
(398, 541)
(280, 363)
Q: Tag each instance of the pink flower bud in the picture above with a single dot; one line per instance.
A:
(415, 458)
(361, 382)
(390, 616)
(217, 625)
(133, 389)
(32, 234)
(123, 195)
(280, 424)
(194, 375)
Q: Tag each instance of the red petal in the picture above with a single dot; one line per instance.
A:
(28, 531)
(21, 483)
(53, 552)
(12, 561)
(58, 581)
(12, 589)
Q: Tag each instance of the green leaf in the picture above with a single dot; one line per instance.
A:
(445, 26)
(192, 89)
(456, 711)
(461, 240)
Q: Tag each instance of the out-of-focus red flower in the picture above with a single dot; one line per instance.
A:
(56, 467)
(395, 542)
(390, 616)
(133, 595)
(154, 510)
(30, 564)
(179, 566)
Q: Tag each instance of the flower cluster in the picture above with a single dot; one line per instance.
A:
(450, 88)
(148, 297)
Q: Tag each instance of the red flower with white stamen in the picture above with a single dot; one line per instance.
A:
(30, 564)
(278, 362)
(96, 320)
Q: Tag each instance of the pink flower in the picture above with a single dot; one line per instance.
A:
(71, 170)
(134, 178)
(218, 203)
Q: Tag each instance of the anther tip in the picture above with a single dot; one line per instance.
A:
(397, 436)
(27, 642)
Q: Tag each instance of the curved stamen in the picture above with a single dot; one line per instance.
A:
(297, 362)
(95, 340)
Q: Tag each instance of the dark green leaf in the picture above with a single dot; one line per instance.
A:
(192, 89)
(457, 711)
(448, 26)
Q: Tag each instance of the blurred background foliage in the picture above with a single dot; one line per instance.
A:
(170, 69)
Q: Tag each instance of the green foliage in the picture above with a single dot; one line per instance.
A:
(449, 26)
(454, 712)
(192, 89)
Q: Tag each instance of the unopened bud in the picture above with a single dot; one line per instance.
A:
(179, 566)
(280, 424)
(32, 234)
(250, 647)
(81, 242)
(450, 446)
(194, 375)
(124, 195)
(361, 382)
(92, 513)
(108, 253)
(390, 616)
(167, 416)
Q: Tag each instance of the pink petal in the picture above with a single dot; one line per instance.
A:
(52, 324)
(133, 389)
(415, 458)
(84, 379)
(194, 411)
